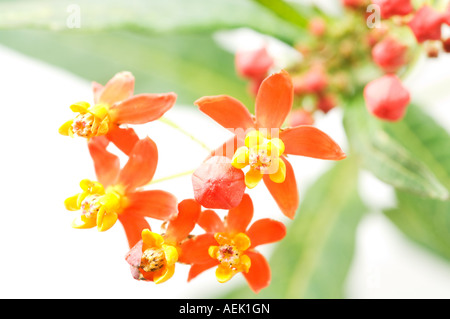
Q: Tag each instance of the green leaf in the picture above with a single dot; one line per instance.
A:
(192, 65)
(313, 260)
(285, 11)
(425, 221)
(153, 17)
(385, 156)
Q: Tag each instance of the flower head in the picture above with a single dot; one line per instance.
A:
(230, 245)
(153, 257)
(115, 104)
(117, 194)
(261, 145)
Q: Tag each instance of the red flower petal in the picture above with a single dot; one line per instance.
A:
(239, 217)
(119, 88)
(195, 250)
(311, 142)
(141, 165)
(286, 193)
(197, 269)
(123, 138)
(227, 111)
(106, 164)
(210, 222)
(156, 204)
(133, 225)
(274, 100)
(259, 274)
(426, 24)
(217, 184)
(182, 224)
(265, 231)
(142, 108)
(253, 63)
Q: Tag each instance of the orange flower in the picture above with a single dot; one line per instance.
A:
(153, 258)
(261, 144)
(114, 104)
(230, 245)
(117, 194)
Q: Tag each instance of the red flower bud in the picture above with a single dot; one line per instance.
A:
(217, 184)
(426, 24)
(300, 117)
(386, 98)
(353, 3)
(253, 64)
(326, 103)
(389, 8)
(389, 54)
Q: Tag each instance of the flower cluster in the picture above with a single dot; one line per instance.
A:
(368, 50)
(260, 146)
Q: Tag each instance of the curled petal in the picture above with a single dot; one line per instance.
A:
(72, 203)
(265, 231)
(238, 218)
(151, 239)
(123, 138)
(227, 111)
(133, 225)
(253, 177)
(156, 204)
(259, 274)
(141, 165)
(274, 100)
(286, 193)
(224, 273)
(210, 222)
(165, 274)
(66, 128)
(182, 224)
(106, 164)
(119, 88)
(311, 142)
(142, 108)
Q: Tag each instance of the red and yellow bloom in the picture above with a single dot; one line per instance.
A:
(230, 245)
(117, 194)
(262, 145)
(115, 104)
(153, 258)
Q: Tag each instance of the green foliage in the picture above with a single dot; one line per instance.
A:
(313, 260)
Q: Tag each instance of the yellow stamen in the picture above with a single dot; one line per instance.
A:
(91, 121)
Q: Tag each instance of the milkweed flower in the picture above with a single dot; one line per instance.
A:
(114, 105)
(261, 145)
(117, 194)
(153, 258)
(230, 245)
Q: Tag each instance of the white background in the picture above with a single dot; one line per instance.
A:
(43, 257)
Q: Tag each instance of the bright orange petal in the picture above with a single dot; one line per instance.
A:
(239, 217)
(119, 88)
(156, 204)
(180, 226)
(210, 222)
(141, 165)
(197, 269)
(97, 88)
(265, 231)
(133, 225)
(227, 111)
(259, 274)
(195, 250)
(106, 164)
(311, 142)
(274, 100)
(123, 138)
(142, 108)
(286, 193)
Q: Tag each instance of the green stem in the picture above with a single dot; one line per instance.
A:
(171, 177)
(181, 130)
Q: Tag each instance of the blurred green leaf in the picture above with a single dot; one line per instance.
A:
(192, 65)
(153, 17)
(313, 260)
(425, 221)
(285, 11)
(384, 155)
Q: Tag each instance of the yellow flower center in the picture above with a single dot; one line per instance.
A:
(263, 156)
(90, 206)
(230, 254)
